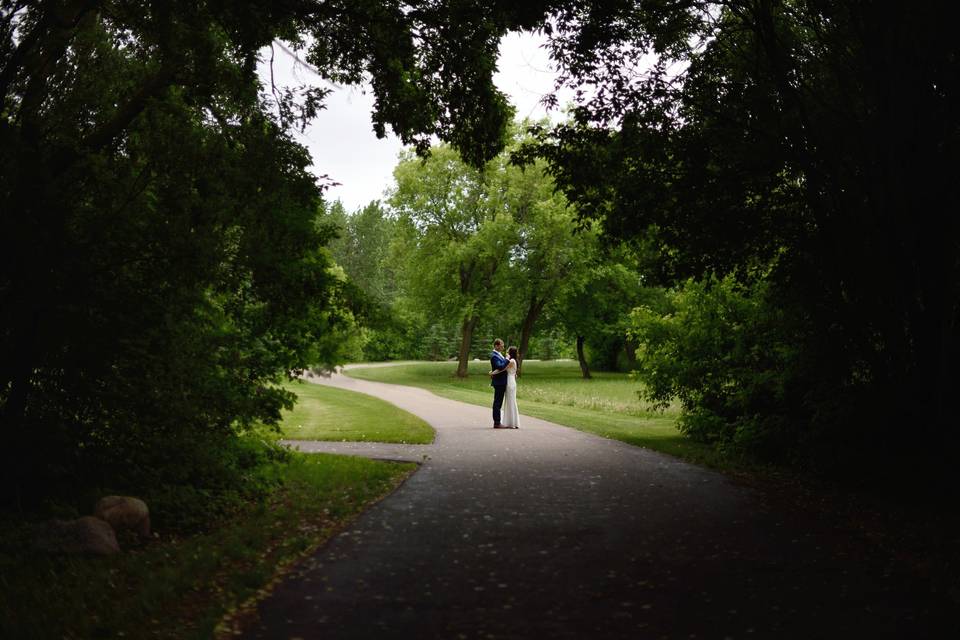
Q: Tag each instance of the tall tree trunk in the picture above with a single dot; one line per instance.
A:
(526, 330)
(630, 348)
(584, 369)
(466, 335)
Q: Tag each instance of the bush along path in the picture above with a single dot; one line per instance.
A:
(546, 531)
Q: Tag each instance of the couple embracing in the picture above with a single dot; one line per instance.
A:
(503, 379)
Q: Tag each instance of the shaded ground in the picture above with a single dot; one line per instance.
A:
(549, 532)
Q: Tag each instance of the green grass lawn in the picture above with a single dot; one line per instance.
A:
(606, 405)
(326, 413)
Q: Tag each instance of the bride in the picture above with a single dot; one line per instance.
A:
(511, 416)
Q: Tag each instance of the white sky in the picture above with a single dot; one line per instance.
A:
(341, 139)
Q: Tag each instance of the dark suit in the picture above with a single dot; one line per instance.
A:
(499, 383)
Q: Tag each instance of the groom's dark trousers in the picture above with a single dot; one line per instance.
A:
(498, 392)
(499, 384)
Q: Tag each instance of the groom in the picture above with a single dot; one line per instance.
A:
(498, 381)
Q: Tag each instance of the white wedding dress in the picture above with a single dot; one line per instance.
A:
(511, 416)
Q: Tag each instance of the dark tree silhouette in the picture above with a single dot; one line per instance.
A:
(808, 144)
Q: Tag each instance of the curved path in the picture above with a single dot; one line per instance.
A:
(548, 532)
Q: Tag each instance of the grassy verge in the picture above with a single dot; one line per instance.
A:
(606, 405)
(182, 587)
(326, 413)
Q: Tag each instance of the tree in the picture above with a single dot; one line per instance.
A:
(457, 235)
(175, 282)
(362, 248)
(504, 233)
(548, 251)
(389, 328)
(804, 145)
(595, 301)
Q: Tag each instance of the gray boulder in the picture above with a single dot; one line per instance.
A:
(124, 513)
(83, 535)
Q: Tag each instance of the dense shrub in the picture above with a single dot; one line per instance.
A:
(215, 482)
(727, 354)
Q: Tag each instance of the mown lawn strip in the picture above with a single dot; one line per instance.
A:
(327, 413)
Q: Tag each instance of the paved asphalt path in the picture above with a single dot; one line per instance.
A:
(548, 532)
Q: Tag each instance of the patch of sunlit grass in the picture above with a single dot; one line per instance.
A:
(328, 413)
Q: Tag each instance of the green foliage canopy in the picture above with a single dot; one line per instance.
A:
(806, 148)
(456, 235)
